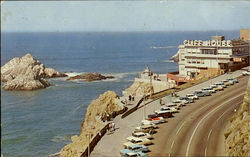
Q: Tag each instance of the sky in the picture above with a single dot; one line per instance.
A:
(170, 15)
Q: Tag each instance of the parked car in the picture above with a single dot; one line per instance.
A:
(164, 114)
(221, 84)
(142, 134)
(209, 89)
(199, 93)
(172, 109)
(207, 93)
(192, 96)
(178, 102)
(123, 152)
(227, 83)
(183, 99)
(139, 141)
(138, 148)
(217, 88)
(145, 128)
(132, 138)
(154, 115)
(234, 80)
(246, 73)
(156, 120)
(134, 154)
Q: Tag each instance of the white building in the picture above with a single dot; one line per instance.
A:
(199, 58)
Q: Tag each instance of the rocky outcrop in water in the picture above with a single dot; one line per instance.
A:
(237, 142)
(89, 77)
(26, 73)
(175, 57)
(93, 122)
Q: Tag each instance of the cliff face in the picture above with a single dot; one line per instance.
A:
(138, 88)
(92, 123)
(26, 73)
(237, 142)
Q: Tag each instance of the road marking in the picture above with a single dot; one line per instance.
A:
(171, 148)
(209, 134)
(190, 140)
(212, 128)
(180, 127)
(175, 137)
(205, 151)
(226, 111)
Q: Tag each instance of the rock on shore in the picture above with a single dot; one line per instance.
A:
(105, 104)
(139, 88)
(175, 57)
(88, 77)
(26, 73)
(237, 136)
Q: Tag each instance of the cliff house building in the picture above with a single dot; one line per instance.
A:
(199, 58)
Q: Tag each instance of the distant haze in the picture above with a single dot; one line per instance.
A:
(64, 16)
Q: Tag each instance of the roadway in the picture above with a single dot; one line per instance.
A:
(198, 129)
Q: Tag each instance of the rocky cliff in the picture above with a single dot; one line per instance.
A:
(139, 88)
(89, 77)
(237, 142)
(93, 122)
(26, 73)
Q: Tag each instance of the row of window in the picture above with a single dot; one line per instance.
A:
(196, 61)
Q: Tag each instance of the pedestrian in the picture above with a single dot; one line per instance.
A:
(107, 117)
(129, 97)
(133, 98)
(113, 126)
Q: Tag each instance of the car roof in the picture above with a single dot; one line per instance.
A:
(139, 133)
(131, 153)
(125, 150)
(136, 146)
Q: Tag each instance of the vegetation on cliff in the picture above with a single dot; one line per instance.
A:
(237, 142)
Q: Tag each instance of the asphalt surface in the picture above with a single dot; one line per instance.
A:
(198, 129)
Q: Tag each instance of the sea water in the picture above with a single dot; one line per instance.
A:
(38, 123)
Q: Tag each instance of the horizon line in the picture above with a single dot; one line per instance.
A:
(120, 31)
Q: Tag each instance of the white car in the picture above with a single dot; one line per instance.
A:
(209, 89)
(192, 96)
(156, 120)
(132, 138)
(173, 109)
(138, 141)
(142, 135)
(246, 73)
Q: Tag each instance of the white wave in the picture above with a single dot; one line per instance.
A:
(168, 61)
(60, 138)
(162, 47)
(117, 76)
(121, 75)
(72, 74)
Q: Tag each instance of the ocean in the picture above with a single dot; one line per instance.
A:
(39, 123)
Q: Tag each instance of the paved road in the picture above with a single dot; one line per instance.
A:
(197, 130)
